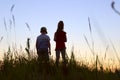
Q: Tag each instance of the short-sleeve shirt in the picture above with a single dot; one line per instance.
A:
(60, 39)
(42, 41)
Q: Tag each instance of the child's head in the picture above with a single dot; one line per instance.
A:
(43, 30)
(60, 26)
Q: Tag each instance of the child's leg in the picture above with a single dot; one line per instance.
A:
(63, 55)
(57, 56)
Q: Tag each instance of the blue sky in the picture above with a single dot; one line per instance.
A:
(37, 13)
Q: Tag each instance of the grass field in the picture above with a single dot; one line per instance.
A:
(30, 68)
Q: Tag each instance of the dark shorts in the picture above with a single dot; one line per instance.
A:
(43, 55)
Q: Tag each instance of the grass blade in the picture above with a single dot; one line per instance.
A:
(10, 22)
(90, 25)
(112, 4)
(106, 51)
(5, 24)
(91, 34)
(28, 26)
(1, 38)
(113, 7)
(13, 18)
(88, 45)
(12, 7)
(115, 51)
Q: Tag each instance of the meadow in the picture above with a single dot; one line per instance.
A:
(30, 68)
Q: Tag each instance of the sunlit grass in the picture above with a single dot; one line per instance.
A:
(24, 68)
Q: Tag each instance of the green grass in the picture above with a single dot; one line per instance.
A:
(24, 68)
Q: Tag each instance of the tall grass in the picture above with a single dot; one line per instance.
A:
(22, 68)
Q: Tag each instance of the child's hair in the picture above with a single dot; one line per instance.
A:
(43, 29)
(60, 26)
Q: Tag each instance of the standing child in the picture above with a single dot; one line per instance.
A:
(60, 39)
(43, 45)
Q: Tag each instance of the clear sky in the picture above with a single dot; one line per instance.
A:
(105, 24)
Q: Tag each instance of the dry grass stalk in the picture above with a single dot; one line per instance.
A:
(1, 38)
(28, 26)
(89, 45)
(5, 24)
(12, 7)
(13, 18)
(113, 7)
(10, 22)
(115, 51)
(106, 51)
(91, 33)
(28, 47)
(90, 25)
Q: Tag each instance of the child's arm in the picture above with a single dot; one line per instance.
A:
(49, 46)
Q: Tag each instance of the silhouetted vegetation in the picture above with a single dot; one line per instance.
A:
(24, 68)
